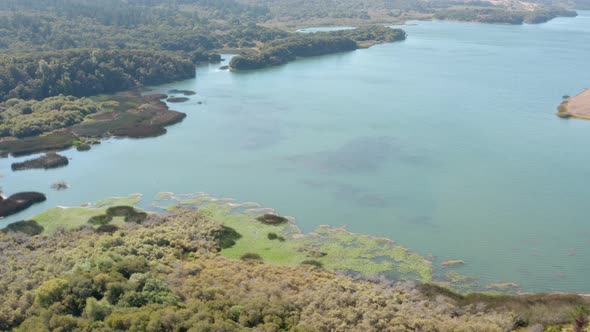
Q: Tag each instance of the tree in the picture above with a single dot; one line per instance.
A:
(580, 319)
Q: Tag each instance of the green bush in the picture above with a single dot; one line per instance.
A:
(272, 236)
(102, 219)
(137, 217)
(272, 219)
(251, 257)
(228, 237)
(312, 262)
(51, 291)
(130, 265)
(120, 211)
(107, 229)
(83, 147)
(29, 227)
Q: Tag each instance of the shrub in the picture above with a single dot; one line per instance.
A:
(60, 185)
(137, 217)
(29, 227)
(228, 237)
(251, 257)
(102, 219)
(235, 312)
(120, 211)
(272, 219)
(272, 236)
(107, 229)
(580, 319)
(312, 262)
(50, 291)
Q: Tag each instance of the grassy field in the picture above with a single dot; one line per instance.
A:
(73, 217)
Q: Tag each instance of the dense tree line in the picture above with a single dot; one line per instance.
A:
(87, 72)
(304, 45)
(160, 25)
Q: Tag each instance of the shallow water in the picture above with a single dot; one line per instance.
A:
(447, 143)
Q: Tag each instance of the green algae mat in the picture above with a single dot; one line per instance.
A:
(333, 248)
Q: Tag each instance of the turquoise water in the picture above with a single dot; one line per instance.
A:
(447, 143)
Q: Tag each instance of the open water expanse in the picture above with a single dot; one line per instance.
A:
(447, 143)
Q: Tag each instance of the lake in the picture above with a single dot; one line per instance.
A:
(447, 143)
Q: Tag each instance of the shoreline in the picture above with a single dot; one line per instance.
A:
(127, 114)
(577, 107)
(241, 217)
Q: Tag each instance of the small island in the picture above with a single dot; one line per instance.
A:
(575, 107)
(49, 160)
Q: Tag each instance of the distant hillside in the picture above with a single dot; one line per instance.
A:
(333, 11)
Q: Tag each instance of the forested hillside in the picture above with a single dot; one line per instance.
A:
(82, 48)
(87, 72)
(333, 11)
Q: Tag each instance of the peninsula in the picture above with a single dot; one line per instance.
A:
(576, 107)
(284, 50)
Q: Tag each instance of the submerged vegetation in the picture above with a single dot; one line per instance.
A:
(272, 219)
(60, 185)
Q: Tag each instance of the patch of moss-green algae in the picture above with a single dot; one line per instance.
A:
(335, 248)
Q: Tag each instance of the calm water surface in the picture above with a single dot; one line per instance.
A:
(447, 143)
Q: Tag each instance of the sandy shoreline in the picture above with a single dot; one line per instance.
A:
(577, 106)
